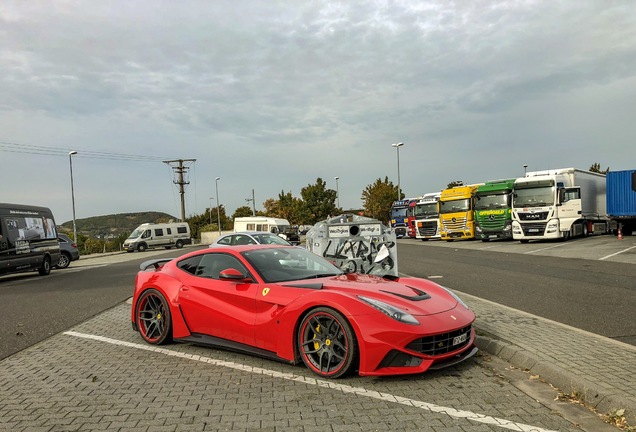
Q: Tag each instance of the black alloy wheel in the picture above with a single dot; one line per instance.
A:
(153, 318)
(327, 343)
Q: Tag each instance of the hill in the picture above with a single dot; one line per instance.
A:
(114, 225)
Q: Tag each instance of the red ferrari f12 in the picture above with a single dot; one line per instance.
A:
(289, 304)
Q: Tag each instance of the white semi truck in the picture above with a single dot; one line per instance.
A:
(427, 216)
(558, 204)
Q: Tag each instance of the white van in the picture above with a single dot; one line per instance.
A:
(263, 223)
(165, 235)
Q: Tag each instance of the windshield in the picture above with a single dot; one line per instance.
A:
(454, 206)
(289, 264)
(534, 197)
(429, 209)
(489, 202)
(136, 233)
(398, 213)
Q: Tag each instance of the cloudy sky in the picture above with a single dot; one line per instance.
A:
(271, 95)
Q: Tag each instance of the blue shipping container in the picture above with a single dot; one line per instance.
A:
(621, 193)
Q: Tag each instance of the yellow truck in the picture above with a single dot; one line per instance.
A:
(456, 213)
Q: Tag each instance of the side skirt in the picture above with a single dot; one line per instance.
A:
(211, 341)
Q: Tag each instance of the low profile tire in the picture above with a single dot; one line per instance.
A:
(327, 343)
(45, 268)
(141, 247)
(64, 261)
(179, 244)
(152, 314)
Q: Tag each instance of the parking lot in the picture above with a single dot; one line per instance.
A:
(596, 247)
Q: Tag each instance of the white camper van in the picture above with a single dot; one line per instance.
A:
(263, 223)
(165, 235)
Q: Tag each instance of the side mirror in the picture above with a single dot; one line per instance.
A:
(231, 274)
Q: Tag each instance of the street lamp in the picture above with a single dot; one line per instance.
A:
(397, 147)
(337, 192)
(70, 162)
(218, 205)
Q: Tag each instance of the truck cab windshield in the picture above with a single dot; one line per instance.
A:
(489, 202)
(454, 206)
(534, 197)
(429, 209)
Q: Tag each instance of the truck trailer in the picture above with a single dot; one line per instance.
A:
(427, 217)
(558, 204)
(493, 214)
(621, 200)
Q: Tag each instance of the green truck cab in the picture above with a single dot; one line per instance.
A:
(493, 214)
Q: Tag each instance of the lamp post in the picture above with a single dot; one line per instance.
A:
(70, 162)
(218, 205)
(211, 210)
(397, 147)
(336, 178)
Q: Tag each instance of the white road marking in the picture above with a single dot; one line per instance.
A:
(617, 253)
(547, 248)
(359, 391)
(435, 277)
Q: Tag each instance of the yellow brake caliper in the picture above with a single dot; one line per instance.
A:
(316, 344)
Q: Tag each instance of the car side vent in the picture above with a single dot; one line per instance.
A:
(419, 295)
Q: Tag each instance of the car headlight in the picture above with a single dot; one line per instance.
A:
(455, 296)
(392, 311)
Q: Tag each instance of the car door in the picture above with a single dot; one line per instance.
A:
(215, 307)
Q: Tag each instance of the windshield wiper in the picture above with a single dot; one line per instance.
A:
(322, 275)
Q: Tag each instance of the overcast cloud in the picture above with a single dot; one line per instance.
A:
(271, 95)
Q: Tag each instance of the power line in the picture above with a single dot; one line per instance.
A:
(11, 147)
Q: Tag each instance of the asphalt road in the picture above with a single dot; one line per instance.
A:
(591, 294)
(33, 307)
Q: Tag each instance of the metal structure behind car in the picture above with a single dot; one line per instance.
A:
(249, 238)
(68, 251)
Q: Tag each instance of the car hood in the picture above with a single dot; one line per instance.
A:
(415, 296)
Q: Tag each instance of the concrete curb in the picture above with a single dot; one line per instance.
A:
(601, 399)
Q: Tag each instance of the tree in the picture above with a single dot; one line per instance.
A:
(243, 211)
(596, 168)
(378, 198)
(319, 202)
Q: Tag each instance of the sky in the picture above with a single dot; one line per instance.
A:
(270, 95)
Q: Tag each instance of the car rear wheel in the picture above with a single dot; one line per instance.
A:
(64, 261)
(327, 343)
(153, 317)
(179, 244)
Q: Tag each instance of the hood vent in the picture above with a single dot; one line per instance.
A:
(419, 295)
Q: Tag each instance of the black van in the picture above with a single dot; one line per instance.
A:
(28, 239)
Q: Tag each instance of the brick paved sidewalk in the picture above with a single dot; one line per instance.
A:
(599, 369)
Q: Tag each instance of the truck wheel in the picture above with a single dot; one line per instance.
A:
(141, 247)
(45, 269)
(585, 230)
(179, 244)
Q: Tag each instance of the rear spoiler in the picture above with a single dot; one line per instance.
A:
(156, 263)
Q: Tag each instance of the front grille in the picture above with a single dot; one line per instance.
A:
(533, 216)
(493, 222)
(441, 343)
(427, 228)
(533, 229)
(454, 224)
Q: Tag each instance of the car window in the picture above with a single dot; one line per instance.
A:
(190, 264)
(212, 264)
(243, 240)
(225, 240)
(270, 239)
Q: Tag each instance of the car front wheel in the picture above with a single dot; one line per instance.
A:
(327, 343)
(153, 317)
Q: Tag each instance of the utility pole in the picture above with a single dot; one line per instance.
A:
(180, 169)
